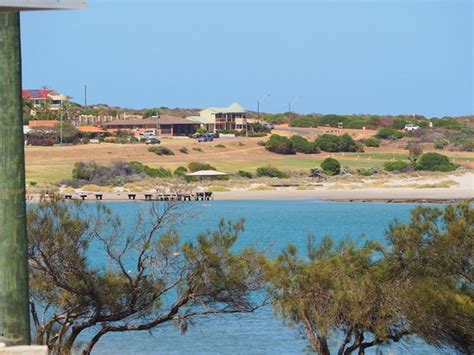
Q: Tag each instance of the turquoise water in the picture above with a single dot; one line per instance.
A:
(270, 226)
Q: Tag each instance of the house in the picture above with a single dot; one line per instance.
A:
(48, 98)
(233, 117)
(163, 125)
(33, 124)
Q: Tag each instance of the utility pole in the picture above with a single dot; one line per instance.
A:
(258, 106)
(290, 104)
(14, 293)
(85, 95)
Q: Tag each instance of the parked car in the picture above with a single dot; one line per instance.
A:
(152, 141)
(206, 138)
(411, 127)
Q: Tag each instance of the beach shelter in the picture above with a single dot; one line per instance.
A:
(201, 174)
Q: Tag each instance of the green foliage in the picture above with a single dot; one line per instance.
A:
(354, 121)
(180, 171)
(151, 112)
(435, 162)
(366, 172)
(201, 130)
(333, 143)
(448, 123)
(372, 142)
(184, 150)
(389, 133)
(163, 281)
(434, 252)
(364, 295)
(157, 172)
(280, 145)
(276, 118)
(271, 171)
(331, 166)
(69, 132)
(245, 174)
(219, 146)
(160, 150)
(302, 145)
(440, 143)
(397, 166)
(196, 166)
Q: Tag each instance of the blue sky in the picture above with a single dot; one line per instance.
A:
(385, 56)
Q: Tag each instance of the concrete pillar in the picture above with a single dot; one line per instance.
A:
(14, 305)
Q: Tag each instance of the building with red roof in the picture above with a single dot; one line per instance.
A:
(50, 98)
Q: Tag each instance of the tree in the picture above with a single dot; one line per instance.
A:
(414, 152)
(435, 162)
(69, 133)
(280, 145)
(331, 166)
(435, 251)
(147, 277)
(342, 290)
(421, 284)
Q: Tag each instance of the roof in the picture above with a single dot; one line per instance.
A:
(131, 123)
(20, 5)
(168, 119)
(43, 94)
(90, 129)
(207, 173)
(201, 119)
(42, 123)
(234, 108)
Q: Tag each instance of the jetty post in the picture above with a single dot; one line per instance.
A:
(14, 290)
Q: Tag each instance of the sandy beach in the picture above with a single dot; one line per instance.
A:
(400, 190)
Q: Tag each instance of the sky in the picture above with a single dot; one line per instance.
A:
(325, 56)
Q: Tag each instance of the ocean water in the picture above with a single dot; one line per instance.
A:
(270, 226)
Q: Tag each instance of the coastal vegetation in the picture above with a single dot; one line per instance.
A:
(146, 277)
(160, 150)
(345, 296)
(368, 295)
(331, 166)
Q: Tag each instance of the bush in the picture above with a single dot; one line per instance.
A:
(196, 166)
(197, 149)
(398, 166)
(180, 171)
(331, 166)
(159, 150)
(333, 143)
(435, 162)
(440, 143)
(219, 146)
(184, 150)
(366, 172)
(157, 172)
(353, 121)
(245, 174)
(389, 133)
(280, 145)
(372, 142)
(271, 171)
(302, 145)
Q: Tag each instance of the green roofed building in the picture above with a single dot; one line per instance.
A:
(214, 119)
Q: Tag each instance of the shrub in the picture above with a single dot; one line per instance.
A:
(184, 150)
(333, 143)
(414, 152)
(389, 133)
(271, 171)
(302, 145)
(280, 145)
(219, 146)
(245, 174)
(435, 162)
(196, 166)
(180, 171)
(366, 172)
(159, 150)
(137, 167)
(440, 143)
(372, 142)
(398, 166)
(197, 149)
(157, 172)
(331, 166)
